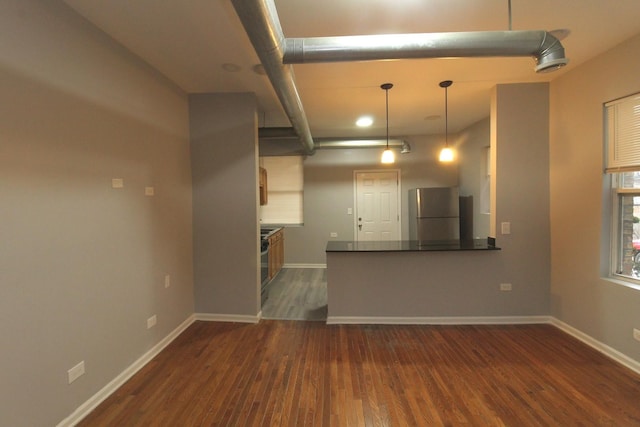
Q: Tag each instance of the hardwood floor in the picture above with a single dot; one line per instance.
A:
(297, 294)
(292, 373)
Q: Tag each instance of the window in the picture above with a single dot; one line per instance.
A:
(284, 189)
(622, 138)
(626, 248)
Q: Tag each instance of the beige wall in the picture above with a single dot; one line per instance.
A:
(602, 309)
(82, 265)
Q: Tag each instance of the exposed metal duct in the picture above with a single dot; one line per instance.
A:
(281, 134)
(543, 46)
(321, 143)
(260, 21)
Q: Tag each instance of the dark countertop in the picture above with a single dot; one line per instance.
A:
(412, 246)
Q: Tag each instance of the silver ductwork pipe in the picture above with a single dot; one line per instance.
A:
(544, 47)
(322, 143)
(279, 134)
(260, 21)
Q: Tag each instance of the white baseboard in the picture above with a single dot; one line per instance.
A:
(601, 347)
(446, 320)
(106, 391)
(305, 266)
(238, 318)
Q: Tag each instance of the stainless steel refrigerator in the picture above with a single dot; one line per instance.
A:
(434, 214)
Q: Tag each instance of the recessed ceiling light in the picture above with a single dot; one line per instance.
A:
(259, 69)
(232, 68)
(364, 121)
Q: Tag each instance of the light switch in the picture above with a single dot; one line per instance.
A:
(505, 228)
(149, 191)
(349, 211)
(117, 183)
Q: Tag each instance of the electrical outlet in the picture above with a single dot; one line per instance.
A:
(334, 234)
(167, 281)
(505, 228)
(151, 321)
(117, 183)
(75, 372)
(149, 191)
(636, 334)
(505, 287)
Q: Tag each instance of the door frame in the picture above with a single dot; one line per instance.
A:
(355, 198)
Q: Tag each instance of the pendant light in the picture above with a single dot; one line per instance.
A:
(446, 155)
(387, 154)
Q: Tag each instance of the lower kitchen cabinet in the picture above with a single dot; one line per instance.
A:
(276, 253)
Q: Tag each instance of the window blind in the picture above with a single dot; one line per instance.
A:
(622, 133)
(285, 190)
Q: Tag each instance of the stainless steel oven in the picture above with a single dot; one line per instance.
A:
(264, 267)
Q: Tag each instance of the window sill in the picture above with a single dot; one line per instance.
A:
(629, 283)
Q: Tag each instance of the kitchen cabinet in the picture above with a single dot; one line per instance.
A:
(276, 252)
(263, 187)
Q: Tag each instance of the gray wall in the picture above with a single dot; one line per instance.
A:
(379, 285)
(471, 145)
(329, 191)
(581, 297)
(520, 144)
(467, 284)
(82, 265)
(224, 159)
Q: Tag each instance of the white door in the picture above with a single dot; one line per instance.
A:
(377, 207)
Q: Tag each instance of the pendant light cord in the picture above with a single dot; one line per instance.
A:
(386, 87)
(446, 116)
(445, 84)
(387, 104)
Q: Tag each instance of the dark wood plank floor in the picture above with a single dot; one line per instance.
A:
(297, 294)
(292, 373)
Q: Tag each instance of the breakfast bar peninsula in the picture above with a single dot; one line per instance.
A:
(412, 282)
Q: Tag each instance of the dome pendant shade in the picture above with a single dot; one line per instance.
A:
(446, 155)
(387, 154)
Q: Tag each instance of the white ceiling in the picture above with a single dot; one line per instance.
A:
(189, 41)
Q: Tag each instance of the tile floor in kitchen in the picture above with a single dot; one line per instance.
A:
(297, 294)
